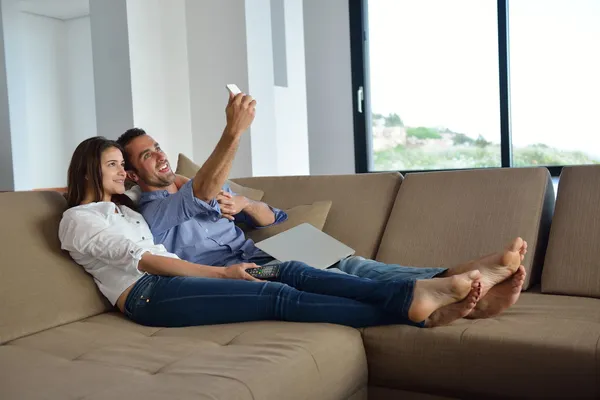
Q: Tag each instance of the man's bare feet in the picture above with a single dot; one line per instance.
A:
(497, 267)
(431, 294)
(452, 312)
(500, 297)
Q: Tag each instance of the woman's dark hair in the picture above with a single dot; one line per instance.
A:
(86, 169)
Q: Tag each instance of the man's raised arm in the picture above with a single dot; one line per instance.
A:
(212, 175)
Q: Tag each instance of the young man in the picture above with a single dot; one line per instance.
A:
(195, 221)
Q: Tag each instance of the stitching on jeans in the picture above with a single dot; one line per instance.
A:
(204, 295)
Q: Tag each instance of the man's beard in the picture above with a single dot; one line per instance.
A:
(161, 182)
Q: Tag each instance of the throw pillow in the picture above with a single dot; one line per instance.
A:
(188, 168)
(314, 214)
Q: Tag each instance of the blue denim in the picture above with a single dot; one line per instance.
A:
(301, 294)
(379, 271)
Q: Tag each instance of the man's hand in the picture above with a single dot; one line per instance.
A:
(231, 205)
(238, 271)
(240, 113)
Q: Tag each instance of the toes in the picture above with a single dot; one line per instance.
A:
(475, 274)
(516, 244)
(476, 294)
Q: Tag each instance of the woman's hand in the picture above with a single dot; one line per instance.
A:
(238, 271)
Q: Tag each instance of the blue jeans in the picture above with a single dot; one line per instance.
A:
(302, 294)
(379, 271)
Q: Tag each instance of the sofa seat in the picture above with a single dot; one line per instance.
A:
(107, 356)
(545, 346)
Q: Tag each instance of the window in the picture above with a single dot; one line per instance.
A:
(434, 89)
(555, 81)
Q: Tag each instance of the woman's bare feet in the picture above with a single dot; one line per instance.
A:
(452, 312)
(500, 297)
(497, 267)
(432, 294)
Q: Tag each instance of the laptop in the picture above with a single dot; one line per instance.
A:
(307, 244)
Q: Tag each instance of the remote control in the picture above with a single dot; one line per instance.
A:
(232, 87)
(266, 272)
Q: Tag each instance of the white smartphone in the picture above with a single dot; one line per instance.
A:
(232, 87)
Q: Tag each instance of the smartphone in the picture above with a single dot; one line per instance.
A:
(232, 87)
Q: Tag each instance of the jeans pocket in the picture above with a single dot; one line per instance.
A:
(145, 294)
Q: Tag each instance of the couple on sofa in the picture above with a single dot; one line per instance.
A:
(183, 261)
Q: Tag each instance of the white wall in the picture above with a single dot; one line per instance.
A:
(80, 103)
(112, 77)
(44, 66)
(159, 72)
(163, 66)
(6, 167)
(329, 86)
(14, 52)
(51, 95)
(261, 84)
(216, 32)
(240, 50)
(290, 102)
(176, 70)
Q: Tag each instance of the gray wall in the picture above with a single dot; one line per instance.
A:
(112, 78)
(6, 168)
(329, 87)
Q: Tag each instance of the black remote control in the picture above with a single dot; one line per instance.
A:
(266, 272)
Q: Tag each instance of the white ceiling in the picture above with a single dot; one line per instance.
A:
(60, 9)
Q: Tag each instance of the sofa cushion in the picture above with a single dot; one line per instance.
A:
(572, 263)
(543, 347)
(108, 356)
(314, 214)
(188, 168)
(40, 286)
(361, 203)
(441, 219)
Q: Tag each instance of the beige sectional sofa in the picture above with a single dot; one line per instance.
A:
(59, 339)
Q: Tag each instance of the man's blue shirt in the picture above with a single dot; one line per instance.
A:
(195, 230)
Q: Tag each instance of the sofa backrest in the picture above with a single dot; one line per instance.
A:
(40, 286)
(441, 219)
(572, 263)
(361, 203)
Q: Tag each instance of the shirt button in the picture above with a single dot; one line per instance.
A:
(143, 238)
(123, 215)
(137, 222)
(131, 251)
(206, 230)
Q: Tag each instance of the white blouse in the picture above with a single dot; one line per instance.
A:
(108, 240)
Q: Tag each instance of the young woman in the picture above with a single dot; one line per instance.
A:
(154, 287)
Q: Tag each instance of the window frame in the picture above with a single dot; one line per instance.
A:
(359, 30)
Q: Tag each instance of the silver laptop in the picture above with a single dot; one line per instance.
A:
(307, 244)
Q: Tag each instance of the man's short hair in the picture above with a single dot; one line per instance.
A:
(124, 140)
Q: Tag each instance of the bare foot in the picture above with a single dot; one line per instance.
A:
(500, 297)
(497, 267)
(452, 312)
(431, 294)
